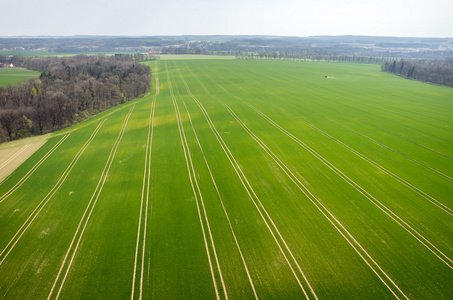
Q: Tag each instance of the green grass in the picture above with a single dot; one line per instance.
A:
(16, 75)
(272, 164)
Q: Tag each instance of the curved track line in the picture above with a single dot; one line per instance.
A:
(12, 243)
(32, 170)
(94, 197)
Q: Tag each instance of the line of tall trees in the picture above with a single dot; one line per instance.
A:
(184, 50)
(432, 71)
(313, 56)
(68, 91)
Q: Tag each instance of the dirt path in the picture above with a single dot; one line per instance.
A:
(13, 154)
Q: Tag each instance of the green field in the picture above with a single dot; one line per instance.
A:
(16, 75)
(241, 179)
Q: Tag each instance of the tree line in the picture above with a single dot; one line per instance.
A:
(312, 56)
(432, 71)
(68, 91)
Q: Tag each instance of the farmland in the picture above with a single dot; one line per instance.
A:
(241, 179)
(12, 76)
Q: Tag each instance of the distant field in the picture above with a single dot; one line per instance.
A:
(16, 75)
(191, 57)
(241, 179)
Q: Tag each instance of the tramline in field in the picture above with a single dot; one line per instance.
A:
(241, 179)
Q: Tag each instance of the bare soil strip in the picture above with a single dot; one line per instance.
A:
(32, 170)
(12, 243)
(250, 191)
(221, 201)
(13, 154)
(141, 236)
(197, 193)
(92, 204)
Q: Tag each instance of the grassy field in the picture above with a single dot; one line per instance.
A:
(16, 75)
(241, 179)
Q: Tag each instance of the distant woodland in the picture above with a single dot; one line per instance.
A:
(68, 91)
(364, 46)
(432, 71)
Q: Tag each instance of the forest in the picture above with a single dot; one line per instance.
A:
(433, 71)
(69, 90)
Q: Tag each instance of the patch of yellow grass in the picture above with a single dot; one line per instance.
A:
(13, 154)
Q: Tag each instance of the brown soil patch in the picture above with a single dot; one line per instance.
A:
(13, 154)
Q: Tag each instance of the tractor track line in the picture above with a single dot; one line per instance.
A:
(393, 133)
(250, 191)
(221, 201)
(94, 197)
(363, 135)
(193, 178)
(47, 198)
(317, 203)
(351, 240)
(372, 140)
(419, 237)
(143, 203)
(423, 194)
(399, 220)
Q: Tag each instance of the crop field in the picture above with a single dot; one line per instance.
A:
(241, 179)
(12, 76)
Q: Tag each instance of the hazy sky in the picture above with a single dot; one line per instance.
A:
(416, 18)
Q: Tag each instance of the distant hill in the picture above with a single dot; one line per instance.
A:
(404, 47)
